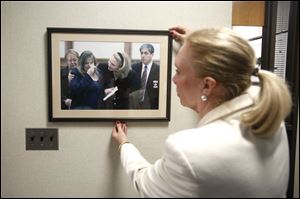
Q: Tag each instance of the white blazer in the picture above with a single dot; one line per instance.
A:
(219, 158)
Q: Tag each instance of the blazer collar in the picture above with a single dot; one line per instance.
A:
(230, 107)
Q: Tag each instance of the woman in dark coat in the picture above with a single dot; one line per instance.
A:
(86, 86)
(119, 81)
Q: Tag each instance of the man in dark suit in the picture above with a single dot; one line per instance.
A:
(147, 71)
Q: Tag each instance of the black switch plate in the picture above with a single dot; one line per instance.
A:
(41, 139)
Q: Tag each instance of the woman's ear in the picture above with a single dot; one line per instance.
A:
(209, 84)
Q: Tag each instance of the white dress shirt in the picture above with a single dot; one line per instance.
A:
(148, 70)
(219, 158)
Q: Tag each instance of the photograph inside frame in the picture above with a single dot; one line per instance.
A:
(109, 76)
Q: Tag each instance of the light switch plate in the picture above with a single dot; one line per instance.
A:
(41, 139)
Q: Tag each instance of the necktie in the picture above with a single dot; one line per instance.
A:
(143, 84)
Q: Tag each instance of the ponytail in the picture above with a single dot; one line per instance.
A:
(272, 107)
(230, 60)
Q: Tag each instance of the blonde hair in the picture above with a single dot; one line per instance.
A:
(72, 52)
(124, 64)
(230, 60)
(273, 106)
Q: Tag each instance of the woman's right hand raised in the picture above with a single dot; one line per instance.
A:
(179, 33)
(91, 70)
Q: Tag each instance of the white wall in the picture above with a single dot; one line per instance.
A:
(87, 163)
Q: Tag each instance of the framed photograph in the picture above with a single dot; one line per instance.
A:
(109, 74)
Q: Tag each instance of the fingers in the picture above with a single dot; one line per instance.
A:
(119, 132)
(91, 70)
(121, 127)
(115, 131)
(70, 77)
(108, 90)
(179, 29)
(178, 33)
(118, 126)
(124, 127)
(177, 36)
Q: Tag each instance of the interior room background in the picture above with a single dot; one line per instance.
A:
(87, 163)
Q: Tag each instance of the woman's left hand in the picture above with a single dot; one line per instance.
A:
(119, 132)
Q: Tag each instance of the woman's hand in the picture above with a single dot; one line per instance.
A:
(179, 33)
(68, 103)
(91, 71)
(119, 132)
(70, 77)
(108, 90)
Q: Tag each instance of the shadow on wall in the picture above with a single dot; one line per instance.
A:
(113, 182)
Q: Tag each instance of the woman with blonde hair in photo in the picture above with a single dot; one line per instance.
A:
(119, 81)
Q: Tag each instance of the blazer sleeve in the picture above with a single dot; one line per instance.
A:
(80, 83)
(169, 176)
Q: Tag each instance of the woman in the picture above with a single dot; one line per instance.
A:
(71, 58)
(86, 86)
(239, 148)
(117, 73)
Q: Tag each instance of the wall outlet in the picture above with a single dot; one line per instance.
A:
(41, 139)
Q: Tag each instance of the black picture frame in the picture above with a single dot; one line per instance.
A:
(61, 39)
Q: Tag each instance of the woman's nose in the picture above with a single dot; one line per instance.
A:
(174, 79)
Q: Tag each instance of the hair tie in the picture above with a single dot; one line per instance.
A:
(255, 71)
(122, 58)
